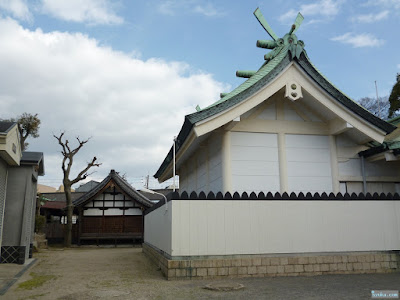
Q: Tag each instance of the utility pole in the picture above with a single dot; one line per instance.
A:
(377, 99)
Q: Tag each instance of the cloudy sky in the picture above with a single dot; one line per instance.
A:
(125, 73)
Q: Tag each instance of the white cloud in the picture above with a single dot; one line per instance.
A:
(132, 108)
(321, 9)
(174, 7)
(168, 7)
(359, 40)
(208, 10)
(371, 18)
(82, 11)
(18, 8)
(390, 4)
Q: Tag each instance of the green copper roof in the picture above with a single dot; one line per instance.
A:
(280, 48)
(395, 121)
(264, 70)
(394, 146)
(284, 51)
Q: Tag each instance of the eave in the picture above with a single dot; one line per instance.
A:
(259, 88)
(10, 147)
(113, 178)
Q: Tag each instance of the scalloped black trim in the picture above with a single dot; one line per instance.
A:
(277, 196)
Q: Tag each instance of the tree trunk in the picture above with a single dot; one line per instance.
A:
(70, 209)
(66, 165)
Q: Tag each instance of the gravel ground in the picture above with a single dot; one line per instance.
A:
(125, 273)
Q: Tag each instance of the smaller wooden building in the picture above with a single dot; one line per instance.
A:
(112, 210)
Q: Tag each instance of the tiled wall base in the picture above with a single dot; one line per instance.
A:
(12, 254)
(268, 265)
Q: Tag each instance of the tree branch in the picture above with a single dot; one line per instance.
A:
(69, 154)
(63, 151)
(83, 174)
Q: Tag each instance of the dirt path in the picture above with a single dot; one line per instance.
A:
(125, 273)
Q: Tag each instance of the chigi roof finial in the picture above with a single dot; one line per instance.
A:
(288, 43)
(277, 44)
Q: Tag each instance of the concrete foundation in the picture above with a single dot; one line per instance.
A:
(302, 264)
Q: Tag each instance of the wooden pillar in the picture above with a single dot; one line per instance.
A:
(80, 220)
(123, 214)
(226, 162)
(283, 176)
(334, 165)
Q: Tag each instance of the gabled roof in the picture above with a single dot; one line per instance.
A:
(6, 126)
(121, 183)
(10, 148)
(85, 187)
(58, 205)
(157, 197)
(33, 158)
(58, 200)
(60, 196)
(271, 69)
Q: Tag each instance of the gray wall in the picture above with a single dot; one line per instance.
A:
(20, 208)
(3, 188)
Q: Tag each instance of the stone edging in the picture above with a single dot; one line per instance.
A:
(9, 284)
(266, 265)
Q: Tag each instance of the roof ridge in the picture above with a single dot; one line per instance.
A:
(261, 72)
(122, 183)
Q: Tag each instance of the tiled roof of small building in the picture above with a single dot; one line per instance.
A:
(33, 158)
(60, 196)
(121, 183)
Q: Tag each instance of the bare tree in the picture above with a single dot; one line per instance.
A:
(68, 157)
(380, 110)
(394, 97)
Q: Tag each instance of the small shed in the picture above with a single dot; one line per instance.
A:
(19, 211)
(112, 210)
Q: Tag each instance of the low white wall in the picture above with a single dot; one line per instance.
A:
(226, 227)
(157, 228)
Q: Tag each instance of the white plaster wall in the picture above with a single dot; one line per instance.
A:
(308, 163)
(268, 113)
(201, 176)
(182, 178)
(254, 162)
(215, 163)
(219, 227)
(372, 187)
(350, 164)
(191, 175)
(158, 228)
(92, 212)
(352, 168)
(290, 114)
(202, 171)
(381, 176)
